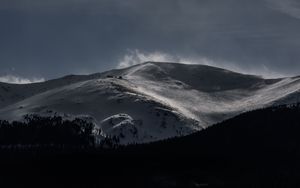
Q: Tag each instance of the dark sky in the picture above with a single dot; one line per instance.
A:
(47, 39)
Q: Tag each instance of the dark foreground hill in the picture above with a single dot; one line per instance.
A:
(256, 149)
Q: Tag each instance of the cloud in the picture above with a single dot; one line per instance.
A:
(289, 7)
(19, 80)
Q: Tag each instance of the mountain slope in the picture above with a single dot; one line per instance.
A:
(150, 101)
(11, 93)
(210, 94)
(111, 105)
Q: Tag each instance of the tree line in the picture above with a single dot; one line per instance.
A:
(46, 131)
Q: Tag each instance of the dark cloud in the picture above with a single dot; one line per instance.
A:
(42, 38)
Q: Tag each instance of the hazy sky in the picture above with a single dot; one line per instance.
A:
(48, 39)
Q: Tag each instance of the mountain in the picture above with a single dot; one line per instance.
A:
(149, 101)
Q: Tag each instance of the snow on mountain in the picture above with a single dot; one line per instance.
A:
(150, 101)
(11, 93)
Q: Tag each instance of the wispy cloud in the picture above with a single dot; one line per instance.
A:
(19, 80)
(289, 7)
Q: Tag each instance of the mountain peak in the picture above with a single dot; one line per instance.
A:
(201, 77)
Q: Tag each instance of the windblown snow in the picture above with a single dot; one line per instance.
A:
(150, 101)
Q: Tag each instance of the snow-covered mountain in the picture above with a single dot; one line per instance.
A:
(149, 101)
